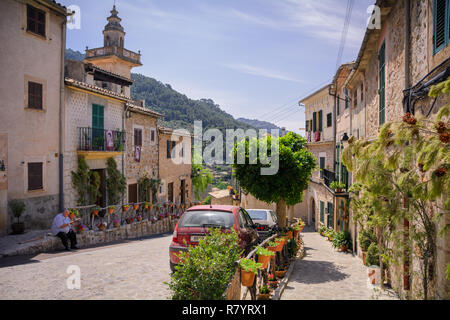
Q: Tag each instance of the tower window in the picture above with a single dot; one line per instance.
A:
(35, 20)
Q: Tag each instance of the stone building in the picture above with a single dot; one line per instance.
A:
(320, 128)
(142, 149)
(175, 166)
(32, 48)
(392, 75)
(94, 124)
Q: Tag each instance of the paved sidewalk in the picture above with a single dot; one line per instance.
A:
(326, 274)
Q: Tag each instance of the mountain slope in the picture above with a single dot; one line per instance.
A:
(179, 111)
(260, 124)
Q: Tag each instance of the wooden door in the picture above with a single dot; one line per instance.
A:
(133, 193)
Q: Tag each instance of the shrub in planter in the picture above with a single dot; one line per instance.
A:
(17, 207)
(264, 293)
(338, 186)
(322, 230)
(116, 223)
(372, 257)
(292, 247)
(342, 241)
(213, 258)
(249, 269)
(366, 237)
(264, 256)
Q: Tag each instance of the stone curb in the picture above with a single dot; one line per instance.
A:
(279, 291)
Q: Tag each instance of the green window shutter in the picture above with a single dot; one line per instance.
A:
(322, 211)
(346, 98)
(169, 151)
(330, 214)
(337, 162)
(382, 62)
(314, 122)
(307, 126)
(329, 120)
(320, 121)
(98, 116)
(440, 24)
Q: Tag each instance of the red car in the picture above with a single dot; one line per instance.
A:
(195, 221)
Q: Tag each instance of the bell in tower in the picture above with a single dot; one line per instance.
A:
(114, 33)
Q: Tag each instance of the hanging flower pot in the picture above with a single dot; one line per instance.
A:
(153, 220)
(136, 207)
(290, 234)
(116, 223)
(247, 278)
(111, 209)
(264, 256)
(146, 205)
(280, 274)
(125, 208)
(139, 218)
(129, 220)
(95, 211)
(249, 270)
(101, 226)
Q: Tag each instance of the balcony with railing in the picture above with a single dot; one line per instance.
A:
(328, 177)
(123, 53)
(100, 143)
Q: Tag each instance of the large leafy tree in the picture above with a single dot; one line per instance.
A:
(286, 187)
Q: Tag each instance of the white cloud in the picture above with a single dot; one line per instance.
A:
(261, 72)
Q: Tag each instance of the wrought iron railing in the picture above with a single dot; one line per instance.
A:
(91, 139)
(328, 177)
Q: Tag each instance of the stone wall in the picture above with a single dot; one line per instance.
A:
(171, 171)
(149, 160)
(90, 238)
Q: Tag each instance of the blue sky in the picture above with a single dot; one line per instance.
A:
(255, 58)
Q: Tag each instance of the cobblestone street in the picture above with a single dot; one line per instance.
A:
(326, 274)
(127, 270)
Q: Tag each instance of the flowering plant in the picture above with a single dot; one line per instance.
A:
(101, 226)
(161, 216)
(271, 277)
(80, 228)
(139, 217)
(116, 223)
(129, 220)
(154, 219)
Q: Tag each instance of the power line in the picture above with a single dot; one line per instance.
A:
(344, 32)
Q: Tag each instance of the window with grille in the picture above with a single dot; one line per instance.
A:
(137, 137)
(35, 180)
(329, 120)
(35, 20)
(441, 24)
(34, 95)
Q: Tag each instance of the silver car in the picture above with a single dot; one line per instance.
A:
(266, 221)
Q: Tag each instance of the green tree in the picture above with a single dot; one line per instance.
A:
(286, 187)
(115, 182)
(201, 177)
(86, 183)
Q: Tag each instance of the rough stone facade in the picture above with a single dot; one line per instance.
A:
(149, 153)
(31, 134)
(178, 167)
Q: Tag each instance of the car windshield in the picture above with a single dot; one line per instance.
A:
(257, 214)
(207, 219)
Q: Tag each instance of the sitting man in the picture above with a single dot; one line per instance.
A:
(61, 228)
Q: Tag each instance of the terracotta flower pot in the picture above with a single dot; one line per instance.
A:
(263, 296)
(110, 210)
(273, 284)
(125, 209)
(95, 212)
(280, 274)
(136, 207)
(145, 206)
(116, 224)
(279, 247)
(247, 278)
(343, 248)
(296, 233)
(264, 260)
(290, 234)
(274, 249)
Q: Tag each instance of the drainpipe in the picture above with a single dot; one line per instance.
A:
(406, 274)
(125, 149)
(61, 118)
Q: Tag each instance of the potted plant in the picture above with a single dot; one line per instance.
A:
(80, 228)
(146, 205)
(116, 223)
(136, 207)
(322, 230)
(139, 217)
(290, 232)
(101, 226)
(125, 207)
(17, 207)
(264, 293)
(329, 233)
(249, 269)
(129, 220)
(280, 272)
(272, 246)
(111, 209)
(95, 210)
(342, 241)
(365, 238)
(153, 219)
(338, 186)
(272, 280)
(161, 216)
(264, 256)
